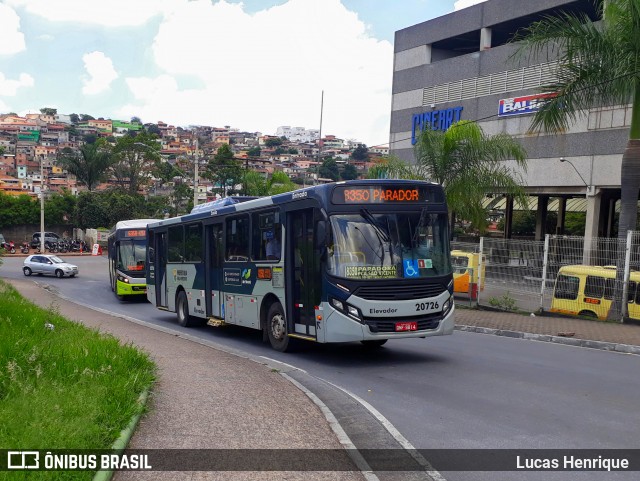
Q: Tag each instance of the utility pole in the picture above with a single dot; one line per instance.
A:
(41, 204)
(320, 136)
(195, 175)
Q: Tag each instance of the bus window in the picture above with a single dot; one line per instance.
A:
(193, 243)
(266, 236)
(566, 287)
(608, 288)
(175, 249)
(238, 236)
(631, 294)
(594, 287)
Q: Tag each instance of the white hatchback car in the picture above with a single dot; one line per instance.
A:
(48, 264)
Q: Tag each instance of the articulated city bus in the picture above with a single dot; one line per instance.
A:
(126, 250)
(361, 261)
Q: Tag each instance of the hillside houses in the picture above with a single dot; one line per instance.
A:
(30, 147)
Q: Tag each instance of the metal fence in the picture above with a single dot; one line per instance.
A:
(592, 278)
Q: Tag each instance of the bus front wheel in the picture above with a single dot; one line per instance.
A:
(182, 310)
(276, 326)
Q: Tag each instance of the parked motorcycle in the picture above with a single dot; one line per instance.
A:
(24, 247)
(9, 246)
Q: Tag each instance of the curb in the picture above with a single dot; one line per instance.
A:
(125, 436)
(568, 341)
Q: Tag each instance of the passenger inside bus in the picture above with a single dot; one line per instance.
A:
(273, 245)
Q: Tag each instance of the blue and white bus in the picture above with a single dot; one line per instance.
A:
(365, 260)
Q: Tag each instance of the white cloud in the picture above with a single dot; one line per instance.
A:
(100, 73)
(114, 13)
(460, 4)
(268, 69)
(11, 38)
(9, 87)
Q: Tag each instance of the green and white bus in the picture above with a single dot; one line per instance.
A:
(350, 261)
(126, 251)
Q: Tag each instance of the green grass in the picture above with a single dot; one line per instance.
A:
(66, 387)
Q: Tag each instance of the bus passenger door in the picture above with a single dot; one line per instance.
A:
(213, 276)
(161, 269)
(303, 273)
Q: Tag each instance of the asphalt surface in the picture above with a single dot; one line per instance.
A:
(208, 398)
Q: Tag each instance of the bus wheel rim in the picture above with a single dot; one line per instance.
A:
(277, 326)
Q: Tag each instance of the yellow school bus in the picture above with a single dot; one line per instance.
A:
(588, 291)
(465, 272)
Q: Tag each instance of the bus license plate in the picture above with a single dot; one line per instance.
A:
(406, 326)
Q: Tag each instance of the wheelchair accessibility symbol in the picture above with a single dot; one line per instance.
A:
(411, 268)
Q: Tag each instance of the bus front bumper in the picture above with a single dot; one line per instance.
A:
(341, 328)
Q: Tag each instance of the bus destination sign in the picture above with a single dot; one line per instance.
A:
(378, 195)
(135, 233)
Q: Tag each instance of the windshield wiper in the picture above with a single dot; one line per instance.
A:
(368, 216)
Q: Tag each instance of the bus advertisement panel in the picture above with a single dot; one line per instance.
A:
(361, 261)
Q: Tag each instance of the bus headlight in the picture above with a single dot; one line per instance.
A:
(123, 279)
(345, 308)
(446, 307)
(337, 304)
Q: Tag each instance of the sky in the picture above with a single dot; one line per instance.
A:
(254, 65)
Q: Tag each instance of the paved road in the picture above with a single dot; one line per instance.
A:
(462, 391)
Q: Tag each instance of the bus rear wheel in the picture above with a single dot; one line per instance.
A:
(276, 327)
(182, 310)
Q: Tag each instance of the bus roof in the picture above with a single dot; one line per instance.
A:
(608, 271)
(316, 191)
(133, 224)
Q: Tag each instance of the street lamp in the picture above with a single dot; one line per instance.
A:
(589, 188)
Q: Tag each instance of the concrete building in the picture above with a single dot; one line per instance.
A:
(460, 67)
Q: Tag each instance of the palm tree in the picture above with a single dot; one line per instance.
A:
(599, 64)
(277, 183)
(468, 163)
(90, 165)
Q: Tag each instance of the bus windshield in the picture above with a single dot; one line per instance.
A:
(389, 245)
(131, 256)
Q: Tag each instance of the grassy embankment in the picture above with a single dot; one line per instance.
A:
(63, 387)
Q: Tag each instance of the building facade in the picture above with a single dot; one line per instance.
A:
(461, 66)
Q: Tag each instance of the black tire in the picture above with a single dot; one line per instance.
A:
(276, 326)
(182, 310)
(59, 274)
(72, 275)
(27, 271)
(12, 251)
(374, 344)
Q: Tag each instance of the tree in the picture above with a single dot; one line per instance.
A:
(60, 208)
(75, 118)
(329, 169)
(135, 160)
(86, 117)
(273, 142)
(254, 152)
(349, 172)
(153, 129)
(90, 164)
(256, 184)
(224, 170)
(360, 152)
(467, 163)
(48, 111)
(599, 64)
